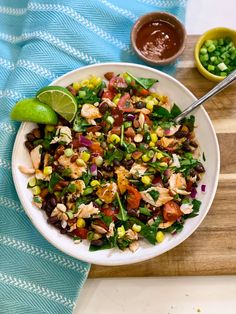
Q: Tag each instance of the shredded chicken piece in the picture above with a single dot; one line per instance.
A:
(163, 198)
(160, 131)
(39, 175)
(138, 170)
(86, 211)
(143, 110)
(109, 102)
(63, 134)
(77, 171)
(172, 130)
(80, 185)
(26, 170)
(35, 156)
(122, 175)
(134, 246)
(186, 208)
(131, 235)
(164, 225)
(89, 111)
(141, 119)
(165, 142)
(107, 192)
(177, 184)
(110, 232)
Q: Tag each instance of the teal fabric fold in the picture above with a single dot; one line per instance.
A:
(39, 41)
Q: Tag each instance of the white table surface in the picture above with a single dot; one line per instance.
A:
(169, 295)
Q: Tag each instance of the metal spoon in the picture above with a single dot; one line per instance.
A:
(219, 87)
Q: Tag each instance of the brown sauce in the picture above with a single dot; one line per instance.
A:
(158, 40)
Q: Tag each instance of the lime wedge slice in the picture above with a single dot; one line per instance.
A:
(32, 110)
(60, 99)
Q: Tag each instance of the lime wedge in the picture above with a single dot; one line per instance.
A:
(60, 99)
(32, 110)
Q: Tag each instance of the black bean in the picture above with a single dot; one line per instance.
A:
(44, 204)
(193, 143)
(128, 163)
(116, 163)
(98, 242)
(100, 92)
(29, 145)
(53, 201)
(140, 104)
(143, 218)
(63, 231)
(103, 108)
(30, 137)
(52, 220)
(107, 168)
(99, 175)
(180, 134)
(186, 147)
(192, 173)
(199, 168)
(132, 212)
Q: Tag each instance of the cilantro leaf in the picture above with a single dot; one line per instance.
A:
(89, 96)
(55, 178)
(161, 112)
(144, 82)
(175, 111)
(80, 124)
(154, 194)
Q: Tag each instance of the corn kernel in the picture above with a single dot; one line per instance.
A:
(159, 155)
(146, 180)
(81, 223)
(149, 105)
(151, 144)
(98, 160)
(136, 228)
(116, 98)
(154, 137)
(90, 85)
(47, 170)
(114, 139)
(160, 236)
(121, 231)
(163, 164)
(85, 82)
(85, 156)
(68, 152)
(32, 182)
(80, 162)
(76, 86)
(94, 183)
(49, 128)
(145, 158)
(36, 190)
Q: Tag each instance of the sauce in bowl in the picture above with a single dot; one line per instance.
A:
(158, 40)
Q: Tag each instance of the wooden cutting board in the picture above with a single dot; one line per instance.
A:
(211, 249)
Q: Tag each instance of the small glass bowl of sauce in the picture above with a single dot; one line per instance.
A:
(158, 38)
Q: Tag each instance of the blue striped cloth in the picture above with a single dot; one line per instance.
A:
(39, 41)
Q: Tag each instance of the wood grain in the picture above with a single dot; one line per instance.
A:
(211, 249)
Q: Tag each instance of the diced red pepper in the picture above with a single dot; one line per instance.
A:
(133, 197)
(81, 232)
(108, 94)
(171, 211)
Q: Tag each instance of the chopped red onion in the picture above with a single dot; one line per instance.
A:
(193, 192)
(167, 132)
(94, 170)
(203, 188)
(84, 141)
(130, 117)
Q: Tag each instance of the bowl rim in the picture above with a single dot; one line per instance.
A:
(202, 70)
(161, 15)
(135, 258)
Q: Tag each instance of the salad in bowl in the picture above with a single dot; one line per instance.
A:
(118, 172)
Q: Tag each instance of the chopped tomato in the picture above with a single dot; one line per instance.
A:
(81, 232)
(108, 94)
(110, 213)
(189, 186)
(171, 211)
(118, 116)
(133, 197)
(124, 104)
(143, 92)
(117, 83)
(116, 130)
(94, 128)
(96, 148)
(147, 120)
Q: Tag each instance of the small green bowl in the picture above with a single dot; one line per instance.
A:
(214, 33)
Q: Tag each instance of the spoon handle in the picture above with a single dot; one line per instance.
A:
(227, 81)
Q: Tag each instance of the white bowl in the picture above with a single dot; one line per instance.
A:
(208, 142)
